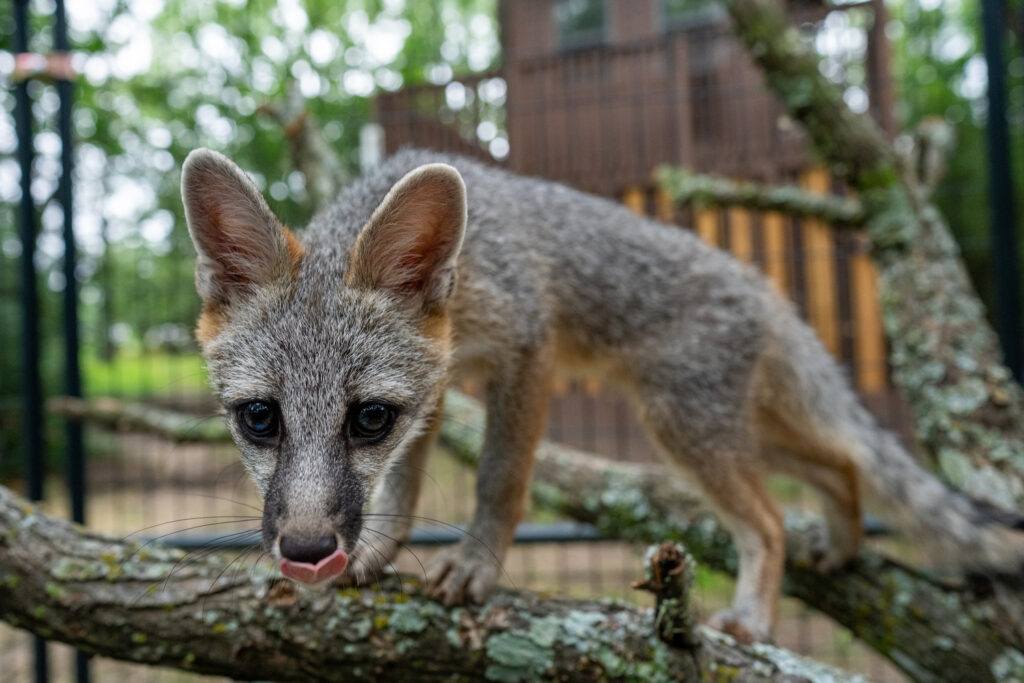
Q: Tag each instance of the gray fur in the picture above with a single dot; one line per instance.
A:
(727, 378)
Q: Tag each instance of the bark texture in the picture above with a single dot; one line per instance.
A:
(155, 606)
(933, 630)
(669, 572)
(968, 411)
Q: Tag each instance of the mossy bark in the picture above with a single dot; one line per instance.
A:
(968, 412)
(686, 187)
(157, 606)
(931, 629)
(669, 573)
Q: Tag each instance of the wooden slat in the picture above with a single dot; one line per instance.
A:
(820, 260)
(868, 336)
(707, 225)
(775, 256)
(664, 206)
(680, 85)
(634, 199)
(741, 234)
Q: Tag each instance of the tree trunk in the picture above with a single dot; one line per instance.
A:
(311, 153)
(155, 605)
(931, 630)
(968, 411)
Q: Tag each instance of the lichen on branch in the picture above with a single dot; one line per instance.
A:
(698, 189)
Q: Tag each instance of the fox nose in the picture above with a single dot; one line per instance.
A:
(311, 559)
(307, 549)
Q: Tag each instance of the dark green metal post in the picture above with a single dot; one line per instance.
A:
(1003, 227)
(74, 447)
(32, 393)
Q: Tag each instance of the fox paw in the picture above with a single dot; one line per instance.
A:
(832, 559)
(819, 552)
(465, 572)
(742, 626)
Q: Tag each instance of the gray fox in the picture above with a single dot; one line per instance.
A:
(331, 350)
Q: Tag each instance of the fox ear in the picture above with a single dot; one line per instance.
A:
(411, 242)
(239, 241)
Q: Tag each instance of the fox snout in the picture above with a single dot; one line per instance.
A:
(311, 558)
(313, 546)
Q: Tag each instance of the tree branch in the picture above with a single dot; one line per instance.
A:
(930, 629)
(154, 605)
(122, 416)
(311, 153)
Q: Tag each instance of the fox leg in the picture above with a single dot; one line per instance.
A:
(738, 497)
(756, 526)
(717, 450)
(839, 491)
(517, 400)
(386, 526)
(798, 449)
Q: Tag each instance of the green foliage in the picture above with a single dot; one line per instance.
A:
(939, 68)
(157, 80)
(144, 374)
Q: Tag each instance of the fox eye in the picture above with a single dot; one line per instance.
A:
(371, 421)
(259, 420)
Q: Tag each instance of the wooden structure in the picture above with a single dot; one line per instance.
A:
(599, 93)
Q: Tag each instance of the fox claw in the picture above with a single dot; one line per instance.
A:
(461, 574)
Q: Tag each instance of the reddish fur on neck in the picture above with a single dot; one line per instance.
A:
(211, 322)
(213, 317)
(437, 327)
(295, 249)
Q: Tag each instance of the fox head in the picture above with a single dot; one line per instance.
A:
(328, 359)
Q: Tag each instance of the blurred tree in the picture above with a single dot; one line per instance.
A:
(940, 72)
(161, 78)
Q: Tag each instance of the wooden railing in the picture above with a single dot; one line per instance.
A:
(601, 118)
(444, 117)
(827, 273)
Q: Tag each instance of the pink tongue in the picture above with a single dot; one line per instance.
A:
(327, 568)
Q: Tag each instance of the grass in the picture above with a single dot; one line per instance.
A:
(144, 374)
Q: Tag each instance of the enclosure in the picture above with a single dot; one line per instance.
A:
(97, 295)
